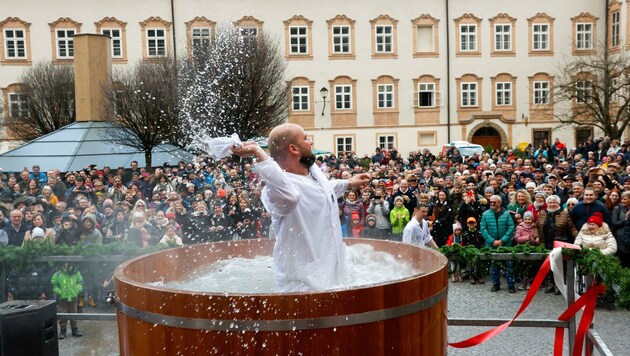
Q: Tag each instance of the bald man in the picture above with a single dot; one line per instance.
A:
(309, 253)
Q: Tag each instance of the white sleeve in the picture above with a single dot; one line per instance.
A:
(339, 186)
(407, 234)
(279, 195)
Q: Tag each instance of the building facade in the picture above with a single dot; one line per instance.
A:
(399, 74)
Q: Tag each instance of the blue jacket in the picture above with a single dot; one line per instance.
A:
(498, 226)
(582, 211)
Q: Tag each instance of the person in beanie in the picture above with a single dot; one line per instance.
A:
(69, 233)
(67, 285)
(356, 226)
(456, 238)
(370, 231)
(472, 237)
(526, 232)
(90, 235)
(596, 234)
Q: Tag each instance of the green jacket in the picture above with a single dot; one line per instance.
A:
(67, 284)
(499, 227)
(399, 219)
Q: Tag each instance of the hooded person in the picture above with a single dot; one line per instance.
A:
(596, 234)
(90, 235)
(370, 231)
(67, 285)
(69, 233)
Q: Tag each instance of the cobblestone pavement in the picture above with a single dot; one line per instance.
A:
(464, 301)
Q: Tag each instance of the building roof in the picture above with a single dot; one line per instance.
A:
(80, 144)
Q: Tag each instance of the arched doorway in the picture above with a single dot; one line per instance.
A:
(487, 136)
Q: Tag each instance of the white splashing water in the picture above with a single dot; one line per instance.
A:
(364, 266)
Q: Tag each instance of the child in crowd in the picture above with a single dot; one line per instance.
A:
(398, 217)
(526, 232)
(170, 236)
(67, 285)
(472, 237)
(370, 231)
(456, 239)
(357, 227)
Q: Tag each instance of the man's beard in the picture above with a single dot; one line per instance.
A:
(307, 160)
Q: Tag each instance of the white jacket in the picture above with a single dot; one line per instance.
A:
(602, 239)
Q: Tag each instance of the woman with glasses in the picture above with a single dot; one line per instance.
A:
(571, 202)
(553, 224)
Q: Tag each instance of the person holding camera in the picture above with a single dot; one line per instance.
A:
(379, 207)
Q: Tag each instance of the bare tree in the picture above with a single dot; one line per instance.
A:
(142, 101)
(46, 94)
(235, 83)
(594, 90)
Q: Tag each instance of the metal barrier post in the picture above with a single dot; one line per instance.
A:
(570, 278)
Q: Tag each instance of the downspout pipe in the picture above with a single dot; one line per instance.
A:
(174, 35)
(448, 75)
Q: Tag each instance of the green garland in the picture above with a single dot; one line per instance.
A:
(606, 269)
(20, 258)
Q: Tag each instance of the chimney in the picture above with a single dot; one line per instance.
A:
(92, 70)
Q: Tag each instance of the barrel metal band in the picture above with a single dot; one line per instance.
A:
(282, 324)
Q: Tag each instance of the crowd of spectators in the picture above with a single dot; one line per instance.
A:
(499, 198)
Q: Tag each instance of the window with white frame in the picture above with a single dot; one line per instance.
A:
(426, 95)
(469, 94)
(584, 36)
(425, 38)
(540, 37)
(341, 39)
(156, 42)
(384, 38)
(583, 91)
(300, 97)
(502, 37)
(386, 142)
(345, 144)
(200, 39)
(385, 95)
(468, 38)
(298, 39)
(14, 44)
(65, 43)
(115, 35)
(541, 93)
(504, 93)
(343, 97)
(613, 90)
(614, 38)
(118, 102)
(249, 34)
(17, 105)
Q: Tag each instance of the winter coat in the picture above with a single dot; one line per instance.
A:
(514, 209)
(618, 221)
(526, 233)
(351, 207)
(67, 284)
(398, 218)
(473, 238)
(581, 212)
(29, 284)
(497, 227)
(458, 240)
(442, 225)
(357, 229)
(91, 237)
(381, 211)
(565, 230)
(370, 232)
(602, 239)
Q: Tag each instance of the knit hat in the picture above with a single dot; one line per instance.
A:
(38, 233)
(221, 193)
(355, 216)
(371, 217)
(528, 214)
(542, 194)
(530, 185)
(597, 219)
(399, 198)
(489, 190)
(456, 226)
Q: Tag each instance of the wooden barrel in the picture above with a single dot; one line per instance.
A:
(402, 317)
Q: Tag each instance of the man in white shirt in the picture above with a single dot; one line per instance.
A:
(417, 230)
(309, 253)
